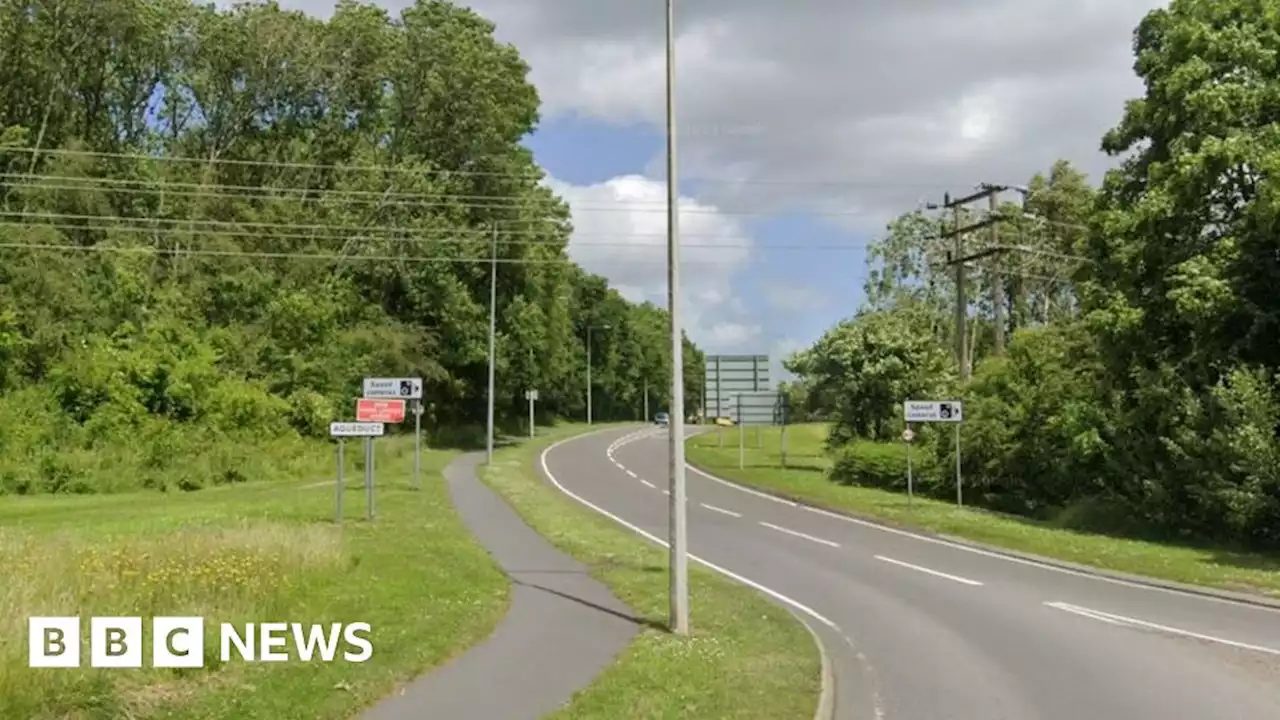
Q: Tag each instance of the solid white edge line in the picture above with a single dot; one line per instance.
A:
(799, 534)
(955, 578)
(790, 602)
(1122, 620)
(980, 551)
(721, 510)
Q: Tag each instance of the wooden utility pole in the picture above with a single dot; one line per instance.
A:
(958, 258)
(997, 278)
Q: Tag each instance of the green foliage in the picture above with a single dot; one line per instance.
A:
(251, 209)
(1139, 393)
(863, 368)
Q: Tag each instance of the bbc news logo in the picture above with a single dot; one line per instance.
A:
(178, 642)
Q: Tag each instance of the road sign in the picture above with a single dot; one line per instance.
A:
(933, 411)
(908, 435)
(379, 411)
(530, 394)
(356, 429)
(729, 375)
(404, 388)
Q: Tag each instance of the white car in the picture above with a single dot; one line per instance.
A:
(661, 419)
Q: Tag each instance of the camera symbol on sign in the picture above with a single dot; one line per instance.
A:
(406, 388)
(944, 411)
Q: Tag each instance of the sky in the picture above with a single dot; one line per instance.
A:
(802, 129)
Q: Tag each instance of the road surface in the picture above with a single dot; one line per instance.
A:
(925, 630)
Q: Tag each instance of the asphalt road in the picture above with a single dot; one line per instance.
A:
(924, 630)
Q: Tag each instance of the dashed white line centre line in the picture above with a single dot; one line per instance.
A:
(935, 573)
(646, 482)
(799, 534)
(632, 474)
(722, 511)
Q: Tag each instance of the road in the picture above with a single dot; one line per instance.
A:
(918, 629)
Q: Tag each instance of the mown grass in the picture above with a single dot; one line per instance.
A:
(746, 657)
(805, 479)
(256, 552)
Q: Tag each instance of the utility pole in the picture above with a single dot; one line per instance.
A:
(678, 542)
(646, 400)
(957, 257)
(997, 279)
(493, 336)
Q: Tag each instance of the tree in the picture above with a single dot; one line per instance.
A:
(865, 367)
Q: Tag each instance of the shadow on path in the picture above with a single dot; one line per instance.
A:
(560, 632)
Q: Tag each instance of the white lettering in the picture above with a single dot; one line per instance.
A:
(350, 635)
(273, 636)
(244, 645)
(307, 646)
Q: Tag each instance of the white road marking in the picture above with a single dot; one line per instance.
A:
(630, 473)
(713, 508)
(791, 602)
(646, 482)
(979, 551)
(798, 534)
(917, 568)
(1133, 622)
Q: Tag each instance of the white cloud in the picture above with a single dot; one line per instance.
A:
(795, 298)
(897, 101)
(620, 229)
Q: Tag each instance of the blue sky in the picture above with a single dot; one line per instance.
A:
(793, 293)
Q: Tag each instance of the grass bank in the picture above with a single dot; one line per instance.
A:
(805, 479)
(254, 552)
(746, 658)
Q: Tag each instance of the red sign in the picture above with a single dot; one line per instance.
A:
(383, 411)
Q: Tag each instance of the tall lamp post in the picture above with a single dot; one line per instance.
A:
(589, 329)
(678, 530)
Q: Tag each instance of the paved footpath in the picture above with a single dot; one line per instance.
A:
(562, 629)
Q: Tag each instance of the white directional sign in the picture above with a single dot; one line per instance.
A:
(530, 394)
(403, 388)
(356, 429)
(933, 411)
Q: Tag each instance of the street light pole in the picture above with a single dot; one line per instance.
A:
(493, 324)
(588, 376)
(678, 531)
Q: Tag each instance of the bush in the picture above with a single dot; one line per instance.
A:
(875, 465)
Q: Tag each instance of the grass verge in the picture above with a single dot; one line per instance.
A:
(805, 479)
(255, 552)
(746, 658)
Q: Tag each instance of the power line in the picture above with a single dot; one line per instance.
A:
(480, 202)
(414, 237)
(325, 257)
(540, 175)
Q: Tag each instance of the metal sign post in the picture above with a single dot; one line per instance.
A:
(417, 444)
(342, 430)
(368, 476)
(742, 438)
(907, 437)
(946, 411)
(532, 397)
(337, 501)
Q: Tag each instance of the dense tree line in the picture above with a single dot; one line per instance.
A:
(1138, 392)
(214, 223)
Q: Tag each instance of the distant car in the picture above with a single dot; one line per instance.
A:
(724, 422)
(662, 419)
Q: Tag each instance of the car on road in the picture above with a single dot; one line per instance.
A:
(661, 419)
